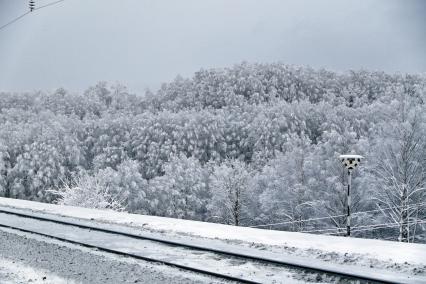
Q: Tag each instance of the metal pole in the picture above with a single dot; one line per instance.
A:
(348, 218)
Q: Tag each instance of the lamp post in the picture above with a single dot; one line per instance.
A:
(350, 162)
(32, 5)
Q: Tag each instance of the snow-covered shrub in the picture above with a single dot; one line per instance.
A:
(90, 192)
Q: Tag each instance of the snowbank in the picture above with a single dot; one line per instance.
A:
(378, 249)
(16, 272)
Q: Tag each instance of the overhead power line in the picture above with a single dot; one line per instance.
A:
(49, 4)
(297, 221)
(415, 205)
(32, 8)
(14, 20)
(364, 228)
(389, 225)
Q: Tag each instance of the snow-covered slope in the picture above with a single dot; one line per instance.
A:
(364, 252)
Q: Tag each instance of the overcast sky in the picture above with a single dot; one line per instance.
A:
(142, 43)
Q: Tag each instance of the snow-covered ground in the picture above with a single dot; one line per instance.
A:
(252, 270)
(404, 258)
(12, 271)
(28, 258)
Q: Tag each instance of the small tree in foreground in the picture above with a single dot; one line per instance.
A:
(90, 192)
(230, 192)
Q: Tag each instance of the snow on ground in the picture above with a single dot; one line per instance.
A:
(202, 260)
(13, 272)
(28, 258)
(365, 252)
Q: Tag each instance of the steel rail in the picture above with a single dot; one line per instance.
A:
(308, 267)
(137, 256)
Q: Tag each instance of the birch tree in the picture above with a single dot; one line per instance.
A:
(400, 168)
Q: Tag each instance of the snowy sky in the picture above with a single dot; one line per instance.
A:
(142, 43)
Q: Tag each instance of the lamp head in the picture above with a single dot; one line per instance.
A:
(350, 161)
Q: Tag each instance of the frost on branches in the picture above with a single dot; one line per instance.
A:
(89, 191)
(250, 145)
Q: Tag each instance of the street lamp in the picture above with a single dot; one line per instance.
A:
(32, 5)
(350, 162)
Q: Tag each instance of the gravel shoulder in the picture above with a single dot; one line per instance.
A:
(27, 258)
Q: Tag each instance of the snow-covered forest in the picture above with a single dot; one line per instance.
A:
(251, 145)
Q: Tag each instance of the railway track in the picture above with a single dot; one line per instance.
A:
(184, 255)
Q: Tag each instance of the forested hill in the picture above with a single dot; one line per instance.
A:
(265, 134)
(261, 83)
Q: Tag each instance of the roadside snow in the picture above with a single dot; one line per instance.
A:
(31, 257)
(13, 272)
(318, 245)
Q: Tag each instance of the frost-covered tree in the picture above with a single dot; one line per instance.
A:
(183, 191)
(161, 152)
(4, 170)
(284, 186)
(127, 183)
(399, 168)
(231, 193)
(91, 192)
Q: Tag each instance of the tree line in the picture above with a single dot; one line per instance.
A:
(249, 145)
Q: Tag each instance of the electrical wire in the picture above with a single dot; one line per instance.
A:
(23, 15)
(14, 20)
(48, 4)
(391, 225)
(364, 228)
(323, 230)
(384, 224)
(298, 221)
(335, 216)
(392, 207)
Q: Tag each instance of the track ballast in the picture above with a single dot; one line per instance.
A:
(326, 271)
